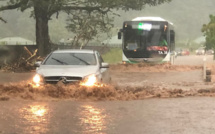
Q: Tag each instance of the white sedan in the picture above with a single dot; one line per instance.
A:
(72, 66)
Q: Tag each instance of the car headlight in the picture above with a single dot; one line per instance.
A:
(37, 79)
(89, 80)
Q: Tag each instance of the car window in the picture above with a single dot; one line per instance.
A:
(71, 59)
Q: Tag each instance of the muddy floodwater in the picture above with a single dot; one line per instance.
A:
(142, 99)
(192, 115)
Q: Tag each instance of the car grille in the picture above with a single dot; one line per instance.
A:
(66, 79)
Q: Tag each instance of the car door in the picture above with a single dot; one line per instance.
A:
(103, 70)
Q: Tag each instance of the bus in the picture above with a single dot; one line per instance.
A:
(147, 39)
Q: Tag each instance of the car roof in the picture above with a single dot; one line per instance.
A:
(74, 51)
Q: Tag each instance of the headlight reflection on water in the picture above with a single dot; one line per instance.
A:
(36, 118)
(38, 111)
(92, 119)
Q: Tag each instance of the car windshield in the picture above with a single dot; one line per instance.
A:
(71, 59)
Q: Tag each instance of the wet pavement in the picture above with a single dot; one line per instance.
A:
(194, 115)
(187, 115)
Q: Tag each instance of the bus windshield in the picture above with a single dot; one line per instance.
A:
(141, 39)
(147, 38)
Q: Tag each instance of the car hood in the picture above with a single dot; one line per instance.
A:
(79, 71)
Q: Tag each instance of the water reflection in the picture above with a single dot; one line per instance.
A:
(38, 111)
(93, 119)
(35, 118)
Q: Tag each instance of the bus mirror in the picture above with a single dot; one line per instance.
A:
(119, 35)
(172, 36)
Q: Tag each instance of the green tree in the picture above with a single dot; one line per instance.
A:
(43, 10)
(87, 26)
(1, 19)
(209, 32)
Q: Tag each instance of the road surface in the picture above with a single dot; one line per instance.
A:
(193, 115)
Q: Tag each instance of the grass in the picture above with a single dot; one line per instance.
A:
(113, 56)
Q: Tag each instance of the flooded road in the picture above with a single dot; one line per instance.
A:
(25, 111)
(194, 115)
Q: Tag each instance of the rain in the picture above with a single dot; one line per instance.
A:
(141, 96)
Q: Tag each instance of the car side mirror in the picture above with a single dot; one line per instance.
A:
(38, 63)
(105, 65)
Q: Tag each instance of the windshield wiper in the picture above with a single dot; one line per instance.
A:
(81, 60)
(64, 63)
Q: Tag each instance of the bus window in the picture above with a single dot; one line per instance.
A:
(163, 40)
(154, 38)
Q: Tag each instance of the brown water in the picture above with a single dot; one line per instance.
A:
(108, 92)
(80, 110)
(166, 116)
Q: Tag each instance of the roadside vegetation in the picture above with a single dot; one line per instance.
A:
(209, 31)
(87, 19)
(113, 56)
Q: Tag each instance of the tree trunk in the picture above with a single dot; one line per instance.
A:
(42, 31)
